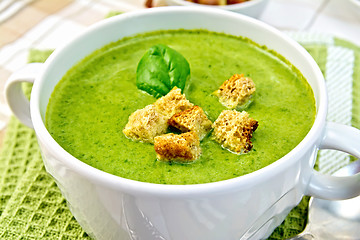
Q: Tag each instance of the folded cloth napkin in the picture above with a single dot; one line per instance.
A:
(32, 207)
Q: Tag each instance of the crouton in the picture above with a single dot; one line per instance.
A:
(144, 124)
(236, 91)
(234, 130)
(193, 119)
(172, 103)
(183, 148)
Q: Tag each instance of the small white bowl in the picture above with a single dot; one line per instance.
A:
(252, 8)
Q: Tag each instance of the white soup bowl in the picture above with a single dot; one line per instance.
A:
(250, 206)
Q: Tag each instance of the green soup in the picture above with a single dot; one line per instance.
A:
(91, 104)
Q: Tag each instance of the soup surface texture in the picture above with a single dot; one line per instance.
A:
(91, 104)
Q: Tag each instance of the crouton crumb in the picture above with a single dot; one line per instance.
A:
(172, 103)
(234, 130)
(144, 124)
(193, 119)
(183, 148)
(236, 91)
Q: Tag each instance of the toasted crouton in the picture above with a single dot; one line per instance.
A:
(193, 119)
(172, 103)
(234, 130)
(236, 91)
(144, 124)
(183, 148)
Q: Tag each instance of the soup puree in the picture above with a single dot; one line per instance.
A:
(91, 104)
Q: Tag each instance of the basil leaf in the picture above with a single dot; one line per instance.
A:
(161, 69)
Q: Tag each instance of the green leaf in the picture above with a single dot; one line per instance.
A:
(161, 69)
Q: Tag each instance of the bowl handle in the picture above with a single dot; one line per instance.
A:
(15, 97)
(346, 139)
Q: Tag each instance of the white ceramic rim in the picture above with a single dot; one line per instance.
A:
(132, 186)
(230, 7)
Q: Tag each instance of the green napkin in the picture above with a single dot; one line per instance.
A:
(31, 205)
(355, 121)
